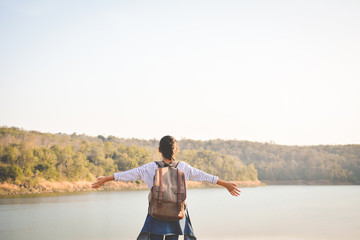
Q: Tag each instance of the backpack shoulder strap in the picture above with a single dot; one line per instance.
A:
(175, 163)
(161, 164)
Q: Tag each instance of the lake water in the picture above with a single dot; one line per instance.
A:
(262, 213)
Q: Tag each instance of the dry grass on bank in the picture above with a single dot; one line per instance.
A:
(9, 189)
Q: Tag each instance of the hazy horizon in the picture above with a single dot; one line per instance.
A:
(179, 139)
(281, 71)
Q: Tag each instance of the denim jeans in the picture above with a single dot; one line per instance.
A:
(161, 237)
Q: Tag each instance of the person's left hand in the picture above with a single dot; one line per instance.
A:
(99, 182)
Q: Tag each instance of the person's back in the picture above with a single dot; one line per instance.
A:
(168, 194)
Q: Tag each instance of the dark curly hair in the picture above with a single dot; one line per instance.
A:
(168, 147)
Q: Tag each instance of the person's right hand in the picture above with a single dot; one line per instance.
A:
(233, 189)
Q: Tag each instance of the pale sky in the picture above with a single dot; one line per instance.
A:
(283, 71)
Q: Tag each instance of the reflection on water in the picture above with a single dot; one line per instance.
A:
(263, 213)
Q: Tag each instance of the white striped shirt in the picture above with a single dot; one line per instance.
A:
(146, 173)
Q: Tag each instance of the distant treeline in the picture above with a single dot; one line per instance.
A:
(27, 157)
(336, 164)
(321, 164)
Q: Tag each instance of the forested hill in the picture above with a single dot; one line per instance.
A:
(60, 156)
(329, 164)
(321, 164)
(28, 157)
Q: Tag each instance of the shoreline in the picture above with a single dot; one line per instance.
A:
(309, 183)
(10, 190)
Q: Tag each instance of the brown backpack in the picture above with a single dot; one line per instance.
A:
(168, 194)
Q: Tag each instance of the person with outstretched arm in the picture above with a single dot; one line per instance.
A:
(155, 229)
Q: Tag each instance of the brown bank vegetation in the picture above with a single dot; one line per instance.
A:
(44, 187)
(32, 162)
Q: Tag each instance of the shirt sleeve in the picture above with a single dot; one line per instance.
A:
(138, 173)
(194, 174)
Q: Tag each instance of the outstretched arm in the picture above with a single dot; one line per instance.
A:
(101, 180)
(231, 187)
(127, 176)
